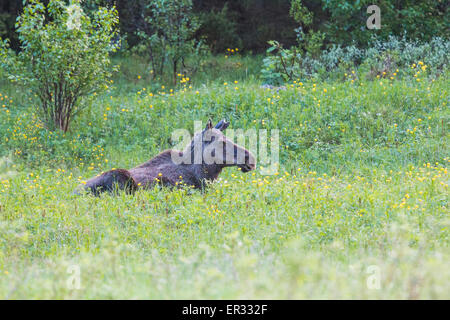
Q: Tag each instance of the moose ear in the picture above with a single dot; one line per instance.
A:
(208, 125)
(222, 125)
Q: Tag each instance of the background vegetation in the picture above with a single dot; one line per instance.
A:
(249, 24)
(362, 188)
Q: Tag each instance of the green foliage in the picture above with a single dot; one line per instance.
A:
(27, 139)
(219, 29)
(64, 56)
(283, 64)
(169, 35)
(250, 24)
(279, 64)
(300, 13)
(418, 20)
(311, 42)
(382, 59)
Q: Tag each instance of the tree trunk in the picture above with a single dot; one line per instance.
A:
(175, 72)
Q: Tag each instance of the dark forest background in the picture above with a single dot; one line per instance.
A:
(249, 24)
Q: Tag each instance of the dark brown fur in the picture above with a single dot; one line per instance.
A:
(111, 181)
(162, 170)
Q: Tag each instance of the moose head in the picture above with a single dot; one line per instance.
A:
(210, 148)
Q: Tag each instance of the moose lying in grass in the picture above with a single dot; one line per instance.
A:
(201, 161)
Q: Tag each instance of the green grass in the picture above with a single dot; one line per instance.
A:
(362, 186)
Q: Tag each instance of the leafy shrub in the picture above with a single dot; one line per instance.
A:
(417, 19)
(64, 56)
(169, 35)
(382, 59)
(434, 53)
(279, 64)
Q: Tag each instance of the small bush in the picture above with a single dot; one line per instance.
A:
(168, 35)
(64, 56)
(383, 59)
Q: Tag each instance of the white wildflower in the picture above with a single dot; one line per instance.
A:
(74, 13)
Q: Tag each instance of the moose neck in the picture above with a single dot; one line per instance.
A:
(198, 174)
(200, 171)
(211, 171)
(203, 172)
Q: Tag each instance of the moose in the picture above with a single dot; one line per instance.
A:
(199, 163)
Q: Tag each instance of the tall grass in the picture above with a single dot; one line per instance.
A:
(362, 192)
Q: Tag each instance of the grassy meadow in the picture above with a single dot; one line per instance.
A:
(358, 209)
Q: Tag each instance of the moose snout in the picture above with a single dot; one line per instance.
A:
(250, 162)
